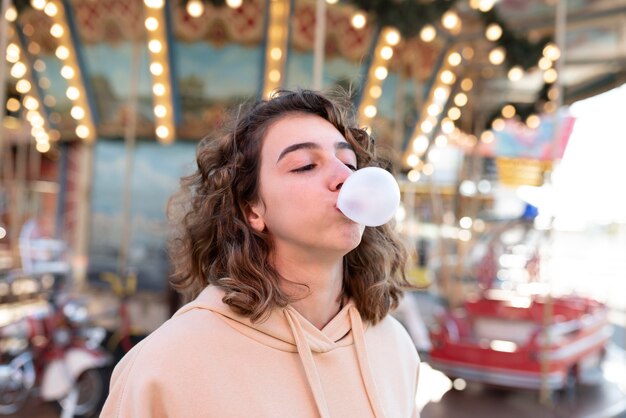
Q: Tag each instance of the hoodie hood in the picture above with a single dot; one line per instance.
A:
(276, 330)
(287, 330)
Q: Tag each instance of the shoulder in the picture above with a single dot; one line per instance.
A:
(183, 340)
(390, 333)
(156, 368)
(186, 331)
(391, 327)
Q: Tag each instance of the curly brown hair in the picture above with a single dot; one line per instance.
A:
(214, 243)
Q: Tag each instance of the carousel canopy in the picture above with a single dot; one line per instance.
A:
(80, 70)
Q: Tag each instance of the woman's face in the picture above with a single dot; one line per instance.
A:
(304, 162)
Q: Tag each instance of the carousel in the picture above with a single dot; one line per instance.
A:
(105, 101)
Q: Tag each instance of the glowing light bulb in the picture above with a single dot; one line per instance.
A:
(493, 32)
(195, 8)
(428, 33)
(497, 56)
(515, 73)
(358, 20)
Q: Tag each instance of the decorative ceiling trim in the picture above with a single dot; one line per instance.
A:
(158, 46)
(433, 118)
(276, 48)
(73, 70)
(32, 97)
(379, 69)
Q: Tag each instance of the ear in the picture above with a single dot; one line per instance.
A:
(254, 215)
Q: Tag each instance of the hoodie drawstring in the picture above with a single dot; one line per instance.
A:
(306, 357)
(364, 365)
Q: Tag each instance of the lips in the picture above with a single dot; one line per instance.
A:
(344, 217)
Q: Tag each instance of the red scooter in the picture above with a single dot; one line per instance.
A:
(57, 355)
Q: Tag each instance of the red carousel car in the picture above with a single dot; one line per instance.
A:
(507, 341)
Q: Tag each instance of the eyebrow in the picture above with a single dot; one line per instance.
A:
(312, 145)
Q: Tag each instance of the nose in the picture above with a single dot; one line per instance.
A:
(340, 173)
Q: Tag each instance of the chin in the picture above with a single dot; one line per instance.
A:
(353, 238)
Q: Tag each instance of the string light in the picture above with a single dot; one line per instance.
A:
(393, 37)
(38, 4)
(378, 72)
(552, 52)
(454, 59)
(370, 111)
(50, 9)
(277, 37)
(195, 8)
(428, 33)
(441, 93)
(447, 77)
(70, 70)
(498, 124)
(375, 91)
(487, 137)
(493, 32)
(13, 105)
(450, 20)
(420, 144)
(460, 99)
(154, 4)
(358, 20)
(234, 4)
(447, 126)
(428, 169)
(276, 53)
(412, 160)
(32, 105)
(413, 176)
(11, 14)
(508, 111)
(434, 109)
(515, 73)
(386, 52)
(533, 121)
(550, 76)
(13, 53)
(155, 46)
(441, 141)
(544, 63)
(156, 24)
(18, 70)
(381, 73)
(454, 113)
(497, 56)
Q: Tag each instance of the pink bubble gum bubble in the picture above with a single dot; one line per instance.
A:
(370, 196)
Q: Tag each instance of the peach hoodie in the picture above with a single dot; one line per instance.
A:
(208, 361)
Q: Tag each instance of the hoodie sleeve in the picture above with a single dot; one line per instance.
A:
(133, 394)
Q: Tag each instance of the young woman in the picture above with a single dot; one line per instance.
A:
(290, 306)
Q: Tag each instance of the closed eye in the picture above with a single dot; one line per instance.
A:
(350, 166)
(302, 169)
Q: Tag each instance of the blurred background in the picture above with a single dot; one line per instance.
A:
(503, 120)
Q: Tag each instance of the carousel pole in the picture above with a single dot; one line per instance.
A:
(319, 45)
(130, 135)
(15, 211)
(4, 39)
(17, 208)
(548, 309)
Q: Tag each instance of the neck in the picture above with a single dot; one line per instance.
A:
(323, 298)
